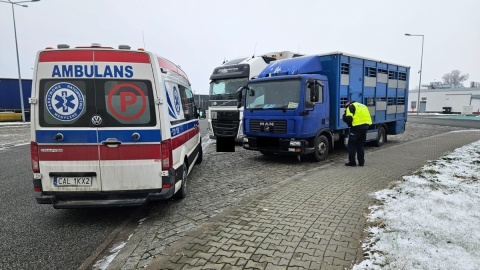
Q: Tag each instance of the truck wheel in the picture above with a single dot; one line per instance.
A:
(200, 155)
(381, 137)
(321, 148)
(182, 192)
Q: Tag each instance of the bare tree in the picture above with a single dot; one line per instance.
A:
(455, 78)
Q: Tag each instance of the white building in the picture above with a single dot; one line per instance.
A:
(454, 100)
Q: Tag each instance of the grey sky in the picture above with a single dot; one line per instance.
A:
(199, 35)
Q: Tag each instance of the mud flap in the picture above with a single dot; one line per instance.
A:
(225, 144)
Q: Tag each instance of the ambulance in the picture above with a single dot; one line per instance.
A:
(111, 127)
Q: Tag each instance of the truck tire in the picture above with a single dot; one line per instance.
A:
(321, 148)
(381, 136)
(182, 192)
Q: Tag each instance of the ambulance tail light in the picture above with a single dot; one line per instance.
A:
(34, 156)
(167, 159)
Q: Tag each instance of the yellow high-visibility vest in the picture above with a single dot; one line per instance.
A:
(362, 115)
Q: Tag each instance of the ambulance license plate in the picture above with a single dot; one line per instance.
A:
(72, 181)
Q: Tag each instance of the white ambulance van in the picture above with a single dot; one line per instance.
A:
(111, 127)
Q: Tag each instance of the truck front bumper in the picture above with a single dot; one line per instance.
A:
(277, 145)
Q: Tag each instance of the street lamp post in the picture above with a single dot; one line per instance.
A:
(16, 47)
(421, 61)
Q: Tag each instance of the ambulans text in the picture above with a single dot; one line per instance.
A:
(90, 71)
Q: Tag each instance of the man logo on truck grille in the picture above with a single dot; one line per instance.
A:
(65, 101)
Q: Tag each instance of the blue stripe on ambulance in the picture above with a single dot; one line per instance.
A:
(176, 130)
(90, 136)
(69, 136)
(151, 136)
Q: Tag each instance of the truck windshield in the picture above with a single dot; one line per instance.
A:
(282, 94)
(227, 86)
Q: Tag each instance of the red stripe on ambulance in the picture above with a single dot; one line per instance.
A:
(97, 56)
(114, 56)
(130, 152)
(60, 56)
(166, 64)
(90, 152)
(180, 140)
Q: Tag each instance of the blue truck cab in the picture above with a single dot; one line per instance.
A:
(295, 106)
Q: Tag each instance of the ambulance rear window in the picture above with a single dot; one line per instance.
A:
(128, 102)
(66, 102)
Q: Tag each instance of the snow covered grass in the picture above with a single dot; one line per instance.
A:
(429, 220)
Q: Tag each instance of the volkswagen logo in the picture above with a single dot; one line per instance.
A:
(97, 120)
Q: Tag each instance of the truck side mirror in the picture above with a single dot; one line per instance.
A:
(201, 113)
(314, 94)
(310, 95)
(240, 92)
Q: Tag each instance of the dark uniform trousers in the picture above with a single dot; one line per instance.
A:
(356, 142)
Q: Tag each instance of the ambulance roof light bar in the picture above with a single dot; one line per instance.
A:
(124, 47)
(63, 46)
(96, 45)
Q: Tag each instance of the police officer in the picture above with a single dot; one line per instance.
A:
(358, 119)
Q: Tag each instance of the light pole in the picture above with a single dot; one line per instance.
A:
(421, 61)
(16, 47)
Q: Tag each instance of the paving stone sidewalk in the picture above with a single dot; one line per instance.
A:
(314, 220)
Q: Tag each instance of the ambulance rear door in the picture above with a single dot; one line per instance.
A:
(61, 121)
(127, 120)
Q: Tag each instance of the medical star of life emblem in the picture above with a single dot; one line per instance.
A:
(65, 101)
